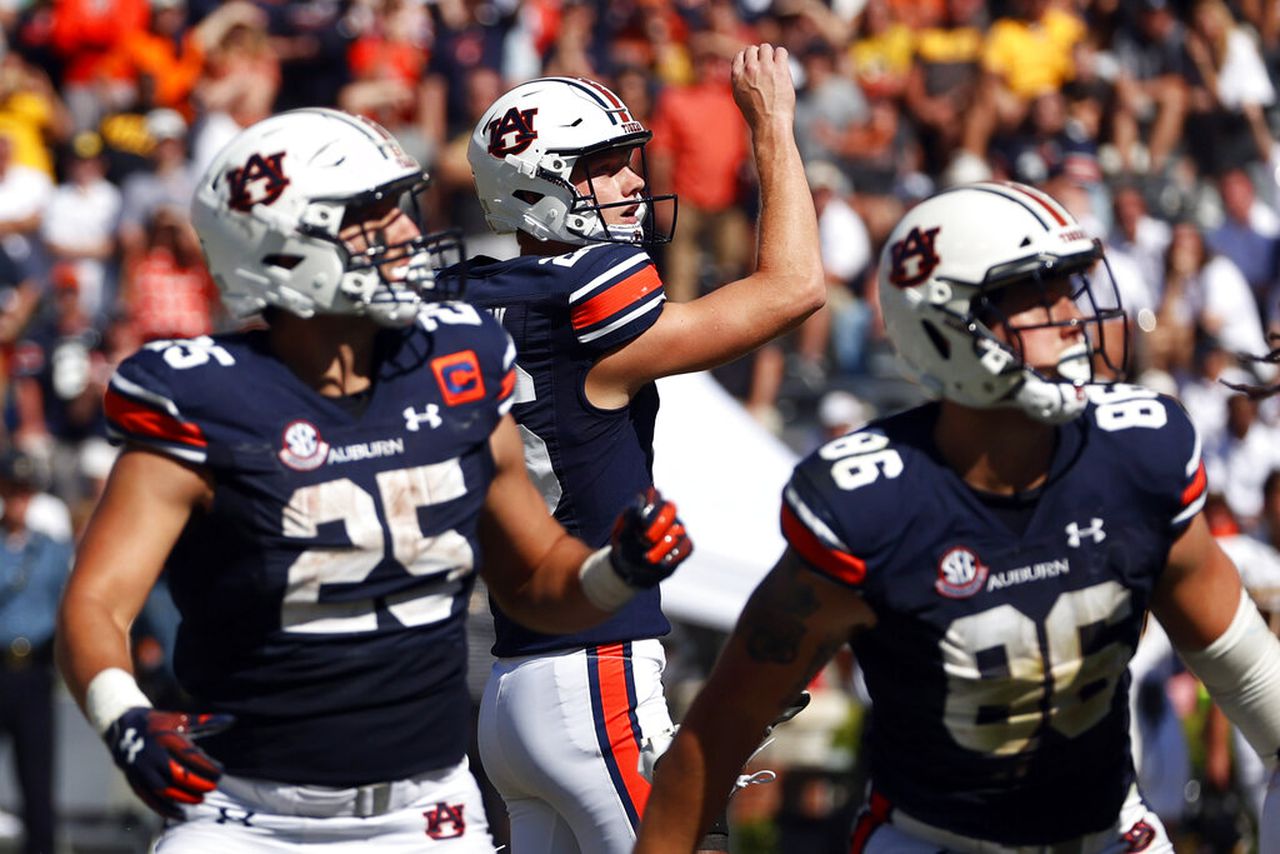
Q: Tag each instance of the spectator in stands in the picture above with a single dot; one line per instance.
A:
(58, 384)
(238, 87)
(880, 54)
(828, 105)
(85, 35)
(387, 62)
(81, 223)
(169, 183)
(704, 169)
(1139, 235)
(944, 78)
(468, 33)
(1269, 523)
(1226, 124)
(1217, 297)
(1024, 56)
(1152, 87)
(24, 196)
(1240, 461)
(1249, 234)
(454, 190)
(33, 569)
(167, 289)
(32, 113)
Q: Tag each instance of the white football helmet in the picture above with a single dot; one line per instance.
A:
(939, 269)
(270, 207)
(523, 150)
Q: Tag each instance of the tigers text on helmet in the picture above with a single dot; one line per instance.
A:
(943, 267)
(523, 152)
(272, 208)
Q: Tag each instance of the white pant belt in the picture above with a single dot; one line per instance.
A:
(367, 801)
(1088, 844)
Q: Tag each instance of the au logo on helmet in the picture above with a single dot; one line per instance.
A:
(515, 121)
(914, 258)
(259, 182)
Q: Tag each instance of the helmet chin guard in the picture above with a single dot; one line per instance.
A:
(270, 208)
(942, 271)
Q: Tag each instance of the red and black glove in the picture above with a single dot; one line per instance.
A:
(157, 753)
(649, 540)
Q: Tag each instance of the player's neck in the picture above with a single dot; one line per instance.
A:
(1001, 451)
(331, 353)
(530, 245)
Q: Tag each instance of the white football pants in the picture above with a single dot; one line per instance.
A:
(560, 737)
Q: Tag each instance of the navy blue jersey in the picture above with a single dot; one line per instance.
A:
(564, 313)
(998, 661)
(323, 594)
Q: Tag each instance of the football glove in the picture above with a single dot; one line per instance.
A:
(157, 754)
(649, 541)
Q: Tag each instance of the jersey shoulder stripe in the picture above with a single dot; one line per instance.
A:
(137, 414)
(817, 544)
(626, 287)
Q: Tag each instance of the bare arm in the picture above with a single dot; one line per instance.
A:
(1199, 591)
(787, 285)
(530, 562)
(792, 625)
(148, 500)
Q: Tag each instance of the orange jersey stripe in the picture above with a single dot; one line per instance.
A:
(623, 740)
(140, 420)
(844, 567)
(616, 298)
(1196, 488)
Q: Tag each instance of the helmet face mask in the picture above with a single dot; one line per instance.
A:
(276, 208)
(524, 152)
(973, 285)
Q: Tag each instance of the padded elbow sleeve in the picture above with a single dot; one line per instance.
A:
(1241, 669)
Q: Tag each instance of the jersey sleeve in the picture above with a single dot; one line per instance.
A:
(1155, 439)
(617, 295)
(143, 406)
(838, 510)
(1188, 484)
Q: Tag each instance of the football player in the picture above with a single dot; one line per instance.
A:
(992, 556)
(567, 714)
(320, 491)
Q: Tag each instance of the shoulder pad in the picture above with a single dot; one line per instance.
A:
(1151, 434)
(842, 507)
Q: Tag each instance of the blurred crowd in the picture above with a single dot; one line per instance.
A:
(1154, 121)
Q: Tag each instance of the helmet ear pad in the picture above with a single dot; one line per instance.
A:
(269, 224)
(939, 267)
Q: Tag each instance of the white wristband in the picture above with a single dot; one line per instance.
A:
(111, 693)
(601, 583)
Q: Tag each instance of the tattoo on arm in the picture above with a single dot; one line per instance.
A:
(774, 619)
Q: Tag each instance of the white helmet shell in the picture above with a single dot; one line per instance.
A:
(965, 242)
(269, 207)
(523, 150)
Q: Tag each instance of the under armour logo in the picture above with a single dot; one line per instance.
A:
(1094, 531)
(131, 744)
(445, 821)
(228, 815)
(430, 416)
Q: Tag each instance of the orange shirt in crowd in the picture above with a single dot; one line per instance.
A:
(700, 128)
(174, 72)
(85, 33)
